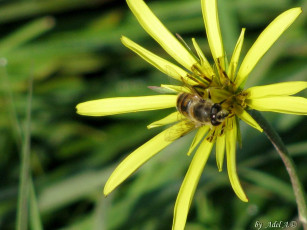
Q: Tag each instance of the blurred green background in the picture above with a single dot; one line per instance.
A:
(71, 52)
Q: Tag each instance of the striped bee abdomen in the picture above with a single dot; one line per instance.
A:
(200, 111)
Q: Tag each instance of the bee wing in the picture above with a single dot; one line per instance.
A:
(162, 90)
(181, 76)
(186, 82)
(181, 129)
(174, 77)
(188, 85)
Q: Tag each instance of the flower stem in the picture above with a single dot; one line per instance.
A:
(290, 166)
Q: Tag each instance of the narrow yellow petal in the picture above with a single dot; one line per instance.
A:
(210, 14)
(239, 136)
(231, 136)
(118, 105)
(171, 118)
(248, 119)
(161, 64)
(205, 65)
(189, 184)
(198, 137)
(140, 156)
(156, 30)
(235, 57)
(265, 40)
(220, 151)
(278, 89)
(176, 88)
(280, 104)
(218, 94)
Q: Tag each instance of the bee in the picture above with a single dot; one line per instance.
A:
(195, 107)
(199, 110)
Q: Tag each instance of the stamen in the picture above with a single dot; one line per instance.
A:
(198, 71)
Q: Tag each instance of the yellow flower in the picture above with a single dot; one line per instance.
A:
(220, 88)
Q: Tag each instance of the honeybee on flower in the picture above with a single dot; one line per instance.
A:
(212, 98)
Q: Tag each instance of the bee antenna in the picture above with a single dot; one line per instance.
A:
(183, 42)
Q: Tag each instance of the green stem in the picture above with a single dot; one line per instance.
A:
(290, 166)
(25, 179)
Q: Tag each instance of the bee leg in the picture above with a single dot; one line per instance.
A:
(220, 103)
(222, 129)
(211, 137)
(198, 125)
(197, 91)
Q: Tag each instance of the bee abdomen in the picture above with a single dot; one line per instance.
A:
(200, 111)
(184, 101)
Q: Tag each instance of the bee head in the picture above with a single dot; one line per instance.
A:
(218, 114)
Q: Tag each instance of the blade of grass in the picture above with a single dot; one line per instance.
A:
(271, 183)
(34, 213)
(100, 213)
(71, 189)
(10, 104)
(26, 33)
(24, 183)
(24, 9)
(296, 149)
(35, 220)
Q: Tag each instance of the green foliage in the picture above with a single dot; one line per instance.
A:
(72, 51)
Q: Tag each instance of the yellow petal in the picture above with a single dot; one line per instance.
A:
(198, 137)
(205, 65)
(239, 136)
(171, 118)
(231, 136)
(235, 57)
(278, 89)
(118, 105)
(137, 158)
(210, 14)
(161, 64)
(156, 29)
(189, 184)
(176, 88)
(218, 94)
(220, 152)
(248, 119)
(265, 40)
(280, 104)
